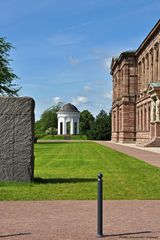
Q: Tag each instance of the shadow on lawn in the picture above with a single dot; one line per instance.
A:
(63, 180)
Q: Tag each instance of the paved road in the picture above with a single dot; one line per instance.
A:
(76, 220)
(145, 154)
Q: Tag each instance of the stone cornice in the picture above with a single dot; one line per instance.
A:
(115, 61)
(155, 30)
(122, 56)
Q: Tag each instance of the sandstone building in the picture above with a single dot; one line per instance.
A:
(136, 93)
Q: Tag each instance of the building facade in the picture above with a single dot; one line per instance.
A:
(136, 93)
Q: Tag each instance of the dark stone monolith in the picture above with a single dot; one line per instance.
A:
(16, 138)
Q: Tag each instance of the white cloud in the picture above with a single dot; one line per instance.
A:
(56, 100)
(87, 88)
(64, 39)
(79, 100)
(73, 61)
(108, 95)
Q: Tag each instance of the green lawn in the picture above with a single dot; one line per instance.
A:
(69, 171)
(61, 137)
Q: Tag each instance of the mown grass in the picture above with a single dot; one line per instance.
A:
(61, 137)
(69, 171)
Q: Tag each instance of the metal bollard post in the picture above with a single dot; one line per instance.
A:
(100, 207)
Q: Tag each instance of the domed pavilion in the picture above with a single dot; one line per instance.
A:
(68, 120)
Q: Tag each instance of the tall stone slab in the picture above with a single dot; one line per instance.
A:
(16, 138)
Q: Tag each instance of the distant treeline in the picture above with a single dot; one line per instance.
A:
(95, 128)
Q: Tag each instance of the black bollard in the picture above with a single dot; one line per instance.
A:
(100, 207)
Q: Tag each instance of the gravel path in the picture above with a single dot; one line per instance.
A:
(76, 220)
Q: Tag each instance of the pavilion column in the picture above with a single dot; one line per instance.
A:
(59, 127)
(72, 126)
(64, 126)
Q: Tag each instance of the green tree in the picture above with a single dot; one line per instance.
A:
(86, 122)
(38, 129)
(49, 121)
(7, 87)
(103, 126)
(101, 129)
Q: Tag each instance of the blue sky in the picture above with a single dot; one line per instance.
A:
(64, 47)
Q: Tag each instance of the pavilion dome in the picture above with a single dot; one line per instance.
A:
(68, 108)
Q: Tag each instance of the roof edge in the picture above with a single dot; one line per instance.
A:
(116, 60)
(154, 30)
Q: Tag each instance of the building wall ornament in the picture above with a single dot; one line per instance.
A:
(158, 110)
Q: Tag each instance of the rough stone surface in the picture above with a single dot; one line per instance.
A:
(16, 138)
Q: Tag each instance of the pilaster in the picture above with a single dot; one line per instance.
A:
(154, 64)
(150, 65)
(153, 110)
(159, 61)
(146, 72)
(143, 74)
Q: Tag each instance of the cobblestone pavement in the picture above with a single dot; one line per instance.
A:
(149, 155)
(76, 220)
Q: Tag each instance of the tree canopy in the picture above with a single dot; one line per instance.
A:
(7, 87)
(98, 128)
(86, 121)
(48, 121)
(101, 128)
